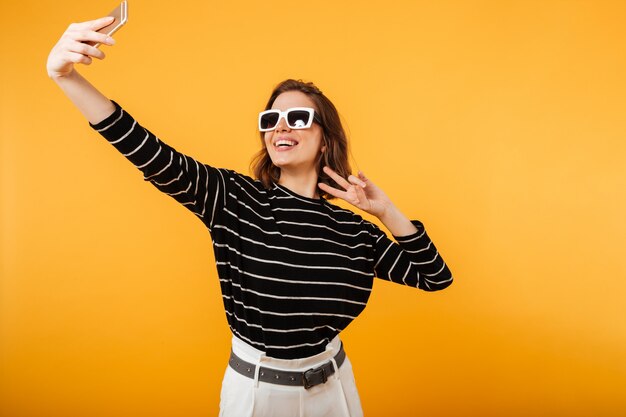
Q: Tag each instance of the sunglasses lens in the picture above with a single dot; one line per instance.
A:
(298, 119)
(269, 120)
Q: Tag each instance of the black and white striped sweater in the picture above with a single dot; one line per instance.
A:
(294, 271)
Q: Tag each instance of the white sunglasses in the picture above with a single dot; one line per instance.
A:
(296, 118)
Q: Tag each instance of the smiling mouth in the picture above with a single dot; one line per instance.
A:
(285, 143)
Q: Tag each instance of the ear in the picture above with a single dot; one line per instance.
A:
(324, 143)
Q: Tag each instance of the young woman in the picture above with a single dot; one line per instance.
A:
(294, 269)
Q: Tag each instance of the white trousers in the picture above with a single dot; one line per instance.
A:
(246, 397)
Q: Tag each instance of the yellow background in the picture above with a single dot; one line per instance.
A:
(500, 124)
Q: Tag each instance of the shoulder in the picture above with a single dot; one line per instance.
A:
(236, 180)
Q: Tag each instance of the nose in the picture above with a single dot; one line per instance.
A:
(282, 125)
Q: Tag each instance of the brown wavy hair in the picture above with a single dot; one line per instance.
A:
(334, 139)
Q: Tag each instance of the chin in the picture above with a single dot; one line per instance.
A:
(283, 162)
(279, 164)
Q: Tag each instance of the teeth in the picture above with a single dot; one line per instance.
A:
(285, 142)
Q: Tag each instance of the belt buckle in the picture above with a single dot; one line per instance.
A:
(314, 376)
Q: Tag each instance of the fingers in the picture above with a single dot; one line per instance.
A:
(100, 23)
(354, 189)
(87, 31)
(77, 47)
(96, 24)
(77, 58)
(78, 39)
(354, 196)
(91, 36)
(352, 180)
(338, 179)
(356, 181)
(332, 191)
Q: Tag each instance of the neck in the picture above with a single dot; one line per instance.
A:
(304, 184)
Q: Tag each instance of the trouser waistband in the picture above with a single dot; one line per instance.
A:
(306, 379)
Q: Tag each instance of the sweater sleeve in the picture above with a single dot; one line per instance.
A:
(413, 260)
(198, 187)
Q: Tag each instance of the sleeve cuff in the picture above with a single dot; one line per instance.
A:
(415, 236)
(110, 120)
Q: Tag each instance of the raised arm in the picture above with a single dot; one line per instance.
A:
(196, 186)
(70, 50)
(413, 259)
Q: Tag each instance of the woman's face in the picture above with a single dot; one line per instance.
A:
(294, 150)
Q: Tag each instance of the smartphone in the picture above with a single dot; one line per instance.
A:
(120, 13)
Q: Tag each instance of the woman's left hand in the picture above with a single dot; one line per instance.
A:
(358, 191)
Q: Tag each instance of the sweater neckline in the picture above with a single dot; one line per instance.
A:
(295, 195)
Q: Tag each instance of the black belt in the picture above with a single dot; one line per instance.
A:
(306, 379)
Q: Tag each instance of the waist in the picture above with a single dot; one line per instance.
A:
(255, 356)
(304, 372)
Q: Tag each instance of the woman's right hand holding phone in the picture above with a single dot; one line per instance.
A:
(76, 47)
(72, 47)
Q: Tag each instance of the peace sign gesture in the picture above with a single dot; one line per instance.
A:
(365, 195)
(358, 191)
